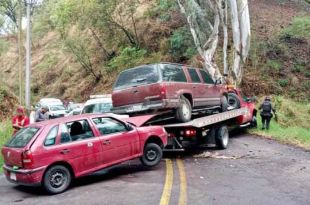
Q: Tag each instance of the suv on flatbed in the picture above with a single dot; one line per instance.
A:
(167, 86)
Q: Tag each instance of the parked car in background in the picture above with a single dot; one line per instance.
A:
(76, 111)
(167, 86)
(55, 106)
(52, 153)
(72, 106)
(45, 101)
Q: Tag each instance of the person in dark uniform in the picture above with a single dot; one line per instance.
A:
(266, 112)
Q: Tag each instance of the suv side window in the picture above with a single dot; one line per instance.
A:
(173, 73)
(107, 125)
(206, 77)
(51, 136)
(194, 76)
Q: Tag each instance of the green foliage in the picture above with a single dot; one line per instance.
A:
(283, 82)
(274, 65)
(3, 93)
(129, 57)
(6, 131)
(4, 46)
(163, 9)
(300, 28)
(48, 62)
(181, 43)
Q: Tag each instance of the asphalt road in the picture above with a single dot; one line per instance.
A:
(251, 171)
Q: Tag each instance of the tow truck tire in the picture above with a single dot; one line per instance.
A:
(152, 155)
(56, 179)
(222, 137)
(224, 104)
(233, 100)
(184, 112)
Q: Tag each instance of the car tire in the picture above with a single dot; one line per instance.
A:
(253, 123)
(152, 155)
(233, 101)
(222, 137)
(184, 112)
(56, 179)
(224, 103)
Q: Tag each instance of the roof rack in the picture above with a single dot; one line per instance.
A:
(100, 96)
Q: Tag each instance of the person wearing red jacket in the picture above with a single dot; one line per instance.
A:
(20, 120)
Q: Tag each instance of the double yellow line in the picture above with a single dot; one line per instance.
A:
(166, 195)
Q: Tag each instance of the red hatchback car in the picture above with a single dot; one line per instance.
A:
(52, 153)
(165, 87)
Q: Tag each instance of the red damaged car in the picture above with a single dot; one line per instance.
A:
(52, 153)
(167, 87)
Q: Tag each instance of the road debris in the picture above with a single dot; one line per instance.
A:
(216, 155)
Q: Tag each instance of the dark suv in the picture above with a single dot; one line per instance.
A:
(167, 86)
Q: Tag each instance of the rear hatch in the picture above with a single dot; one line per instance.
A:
(136, 86)
(13, 150)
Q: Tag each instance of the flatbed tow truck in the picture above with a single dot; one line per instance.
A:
(206, 130)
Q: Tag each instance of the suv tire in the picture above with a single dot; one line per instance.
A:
(224, 103)
(152, 155)
(233, 100)
(184, 112)
(56, 179)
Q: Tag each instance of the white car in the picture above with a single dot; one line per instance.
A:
(46, 101)
(56, 110)
(100, 104)
(76, 111)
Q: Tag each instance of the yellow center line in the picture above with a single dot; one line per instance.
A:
(165, 197)
(183, 184)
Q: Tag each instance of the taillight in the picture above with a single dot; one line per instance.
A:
(27, 158)
(189, 133)
(163, 91)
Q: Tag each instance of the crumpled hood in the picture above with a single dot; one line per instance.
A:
(139, 120)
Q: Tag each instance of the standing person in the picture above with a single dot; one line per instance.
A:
(20, 120)
(42, 114)
(266, 112)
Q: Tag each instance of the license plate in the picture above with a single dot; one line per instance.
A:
(13, 176)
(135, 108)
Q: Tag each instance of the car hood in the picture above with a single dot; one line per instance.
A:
(139, 120)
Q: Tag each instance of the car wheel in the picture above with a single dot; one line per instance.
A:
(224, 104)
(152, 155)
(222, 137)
(184, 112)
(253, 122)
(233, 100)
(56, 179)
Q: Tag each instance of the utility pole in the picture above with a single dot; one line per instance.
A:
(20, 57)
(28, 57)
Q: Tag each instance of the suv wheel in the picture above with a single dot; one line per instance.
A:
(152, 154)
(184, 112)
(56, 179)
(224, 103)
(233, 100)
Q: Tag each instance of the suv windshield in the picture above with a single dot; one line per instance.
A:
(98, 108)
(146, 74)
(22, 137)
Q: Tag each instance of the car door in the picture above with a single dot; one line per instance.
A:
(117, 138)
(198, 88)
(212, 91)
(82, 152)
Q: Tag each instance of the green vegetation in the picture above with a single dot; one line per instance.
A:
(300, 28)
(292, 124)
(4, 46)
(283, 82)
(274, 65)
(5, 133)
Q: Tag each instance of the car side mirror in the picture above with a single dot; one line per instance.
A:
(129, 127)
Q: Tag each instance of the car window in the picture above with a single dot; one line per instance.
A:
(51, 136)
(172, 73)
(194, 75)
(75, 130)
(57, 107)
(98, 108)
(206, 77)
(107, 125)
(145, 74)
(22, 137)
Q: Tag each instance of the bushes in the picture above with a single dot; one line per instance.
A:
(6, 131)
(283, 82)
(300, 28)
(4, 46)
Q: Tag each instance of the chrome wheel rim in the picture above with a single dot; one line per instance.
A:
(57, 178)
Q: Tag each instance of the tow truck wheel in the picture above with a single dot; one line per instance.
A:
(152, 155)
(222, 137)
(184, 112)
